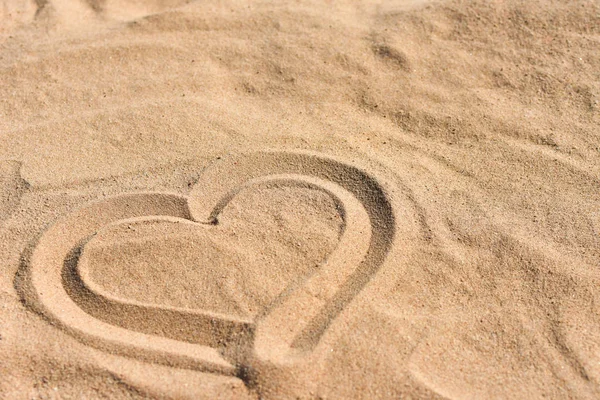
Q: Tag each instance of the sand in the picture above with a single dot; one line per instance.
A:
(296, 199)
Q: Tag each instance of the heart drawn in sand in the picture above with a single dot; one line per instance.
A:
(210, 336)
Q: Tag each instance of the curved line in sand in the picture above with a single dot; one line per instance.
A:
(47, 291)
(292, 324)
(296, 321)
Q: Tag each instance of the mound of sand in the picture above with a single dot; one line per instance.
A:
(440, 239)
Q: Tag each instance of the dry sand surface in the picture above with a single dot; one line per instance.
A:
(296, 199)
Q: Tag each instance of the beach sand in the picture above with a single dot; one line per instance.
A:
(299, 199)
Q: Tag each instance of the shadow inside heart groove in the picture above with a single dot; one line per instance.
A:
(235, 268)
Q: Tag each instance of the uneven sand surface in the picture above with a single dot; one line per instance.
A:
(425, 223)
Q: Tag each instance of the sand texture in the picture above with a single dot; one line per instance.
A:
(299, 200)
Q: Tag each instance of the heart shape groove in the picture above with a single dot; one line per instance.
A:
(284, 334)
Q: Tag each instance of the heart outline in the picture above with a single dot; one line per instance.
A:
(362, 199)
